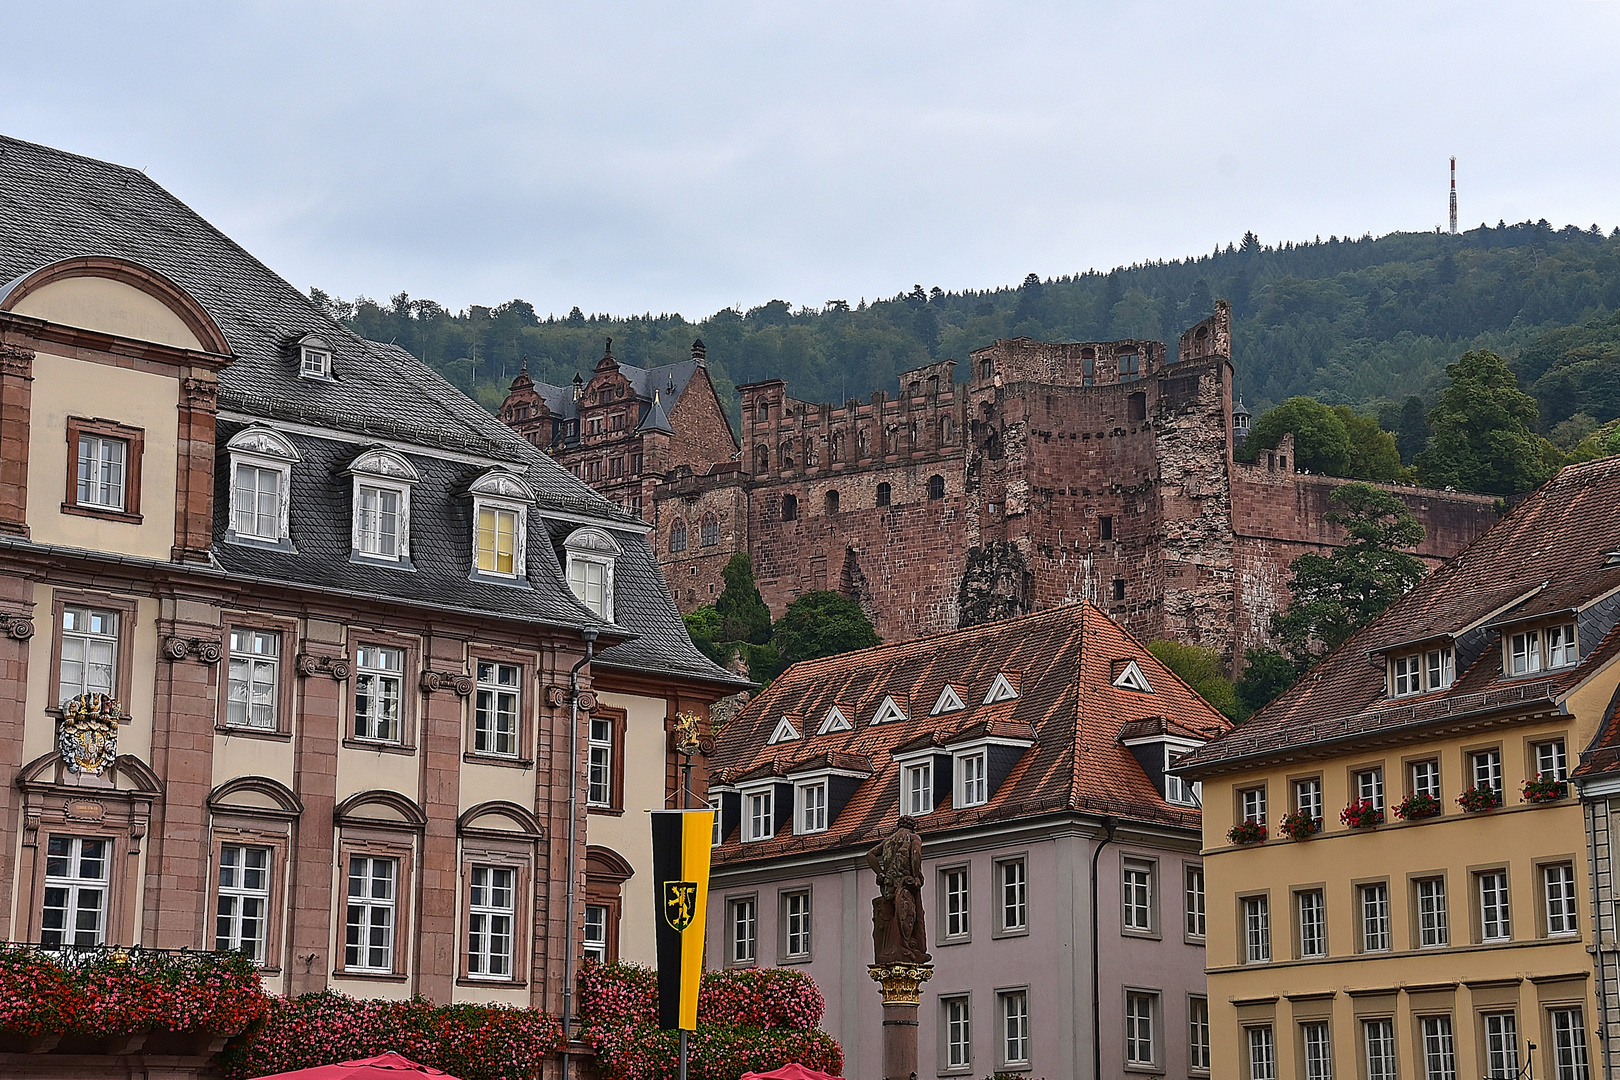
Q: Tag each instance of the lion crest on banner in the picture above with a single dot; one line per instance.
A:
(88, 738)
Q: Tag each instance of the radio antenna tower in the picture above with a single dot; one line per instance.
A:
(1454, 196)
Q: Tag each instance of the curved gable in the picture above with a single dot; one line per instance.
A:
(115, 296)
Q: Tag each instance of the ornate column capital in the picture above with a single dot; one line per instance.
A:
(20, 627)
(459, 681)
(309, 664)
(16, 360)
(901, 984)
(207, 650)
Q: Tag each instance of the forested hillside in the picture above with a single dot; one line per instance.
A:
(1356, 322)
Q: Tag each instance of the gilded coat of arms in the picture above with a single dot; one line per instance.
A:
(88, 737)
(680, 903)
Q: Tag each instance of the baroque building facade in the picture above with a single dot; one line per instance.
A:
(302, 652)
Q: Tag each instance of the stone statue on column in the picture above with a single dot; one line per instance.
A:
(899, 945)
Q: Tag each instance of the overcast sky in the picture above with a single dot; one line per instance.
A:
(685, 157)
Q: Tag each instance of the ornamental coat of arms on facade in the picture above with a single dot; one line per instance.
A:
(88, 736)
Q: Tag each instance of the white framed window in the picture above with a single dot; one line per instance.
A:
(1013, 878)
(1375, 918)
(1262, 1053)
(1501, 1046)
(1198, 1034)
(101, 475)
(919, 788)
(596, 932)
(591, 557)
(1569, 1045)
(761, 816)
(1551, 762)
(1308, 797)
(718, 805)
(1318, 1051)
(369, 931)
(743, 924)
(496, 549)
(1140, 1019)
(1494, 924)
(495, 708)
(1193, 901)
(1561, 650)
(1558, 884)
(958, 1025)
(491, 916)
(500, 519)
(1176, 790)
(1434, 929)
(1378, 1036)
(76, 877)
(243, 901)
(812, 807)
(1439, 1049)
(1370, 787)
(1136, 895)
(1312, 923)
(1256, 929)
(1013, 1007)
(1253, 804)
(1486, 768)
(796, 925)
(378, 684)
(1406, 675)
(379, 514)
(1524, 652)
(314, 358)
(261, 479)
(956, 891)
(254, 679)
(599, 774)
(972, 785)
(1439, 668)
(1426, 777)
(89, 660)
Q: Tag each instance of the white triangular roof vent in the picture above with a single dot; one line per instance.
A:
(785, 731)
(1130, 677)
(835, 720)
(888, 711)
(949, 701)
(1000, 690)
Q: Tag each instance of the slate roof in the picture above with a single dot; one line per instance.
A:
(55, 205)
(668, 380)
(1553, 553)
(1062, 663)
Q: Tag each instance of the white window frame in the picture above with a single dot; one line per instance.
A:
(1256, 929)
(1405, 675)
(1495, 913)
(89, 642)
(1523, 652)
(810, 807)
(1136, 896)
(742, 930)
(973, 790)
(956, 893)
(1012, 1016)
(65, 874)
(1425, 777)
(1486, 765)
(370, 908)
(1552, 762)
(1439, 1048)
(717, 803)
(489, 695)
(599, 764)
(759, 814)
(1370, 786)
(1378, 1041)
(263, 449)
(1178, 791)
(1198, 1047)
(499, 509)
(1562, 646)
(379, 678)
(1308, 797)
(314, 360)
(237, 925)
(368, 539)
(1194, 902)
(1317, 1041)
(1253, 802)
(1141, 1029)
(252, 665)
(1434, 923)
(94, 488)
(917, 787)
(1559, 895)
(492, 921)
(797, 924)
(1570, 1058)
(1312, 908)
(1372, 902)
(1501, 1046)
(594, 937)
(587, 548)
(956, 1022)
(1012, 896)
(1439, 668)
(1262, 1052)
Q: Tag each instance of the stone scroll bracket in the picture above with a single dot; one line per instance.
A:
(458, 681)
(19, 627)
(309, 664)
(206, 650)
(557, 698)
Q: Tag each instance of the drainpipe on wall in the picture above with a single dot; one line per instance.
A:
(573, 859)
(1109, 824)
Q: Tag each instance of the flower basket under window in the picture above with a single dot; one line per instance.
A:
(1417, 807)
(1362, 814)
(1299, 825)
(1247, 832)
(1479, 798)
(1543, 788)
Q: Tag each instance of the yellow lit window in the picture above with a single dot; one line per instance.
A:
(497, 541)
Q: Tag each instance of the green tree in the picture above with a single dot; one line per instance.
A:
(1333, 595)
(821, 624)
(1412, 429)
(1266, 674)
(1321, 443)
(703, 626)
(1200, 669)
(1484, 432)
(742, 611)
(1373, 455)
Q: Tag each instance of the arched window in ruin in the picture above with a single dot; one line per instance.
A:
(862, 444)
(764, 411)
(916, 434)
(883, 493)
(831, 501)
(947, 431)
(811, 458)
(677, 536)
(762, 459)
(936, 486)
(835, 447)
(711, 530)
(785, 454)
(1137, 406)
(790, 508)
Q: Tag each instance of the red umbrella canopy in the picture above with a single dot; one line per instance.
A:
(790, 1072)
(388, 1066)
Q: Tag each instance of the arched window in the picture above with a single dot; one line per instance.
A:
(762, 459)
(711, 530)
(810, 459)
(883, 493)
(835, 451)
(986, 369)
(790, 508)
(936, 486)
(947, 431)
(677, 536)
(862, 444)
(1137, 406)
(832, 502)
(764, 411)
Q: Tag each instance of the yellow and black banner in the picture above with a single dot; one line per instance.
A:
(681, 846)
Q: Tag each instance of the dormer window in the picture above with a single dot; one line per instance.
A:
(261, 477)
(949, 701)
(1540, 649)
(381, 526)
(591, 554)
(314, 358)
(972, 784)
(1421, 672)
(1176, 790)
(500, 519)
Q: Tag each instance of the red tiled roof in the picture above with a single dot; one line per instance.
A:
(1061, 661)
(1549, 555)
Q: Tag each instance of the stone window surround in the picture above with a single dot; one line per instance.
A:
(409, 696)
(376, 841)
(1002, 996)
(528, 701)
(966, 997)
(1156, 1022)
(619, 720)
(606, 871)
(729, 942)
(232, 829)
(942, 935)
(286, 686)
(123, 677)
(281, 461)
(516, 855)
(387, 471)
(1150, 863)
(783, 957)
(999, 928)
(134, 439)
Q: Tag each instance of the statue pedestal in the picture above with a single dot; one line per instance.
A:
(901, 986)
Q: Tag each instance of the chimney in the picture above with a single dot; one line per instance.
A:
(699, 353)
